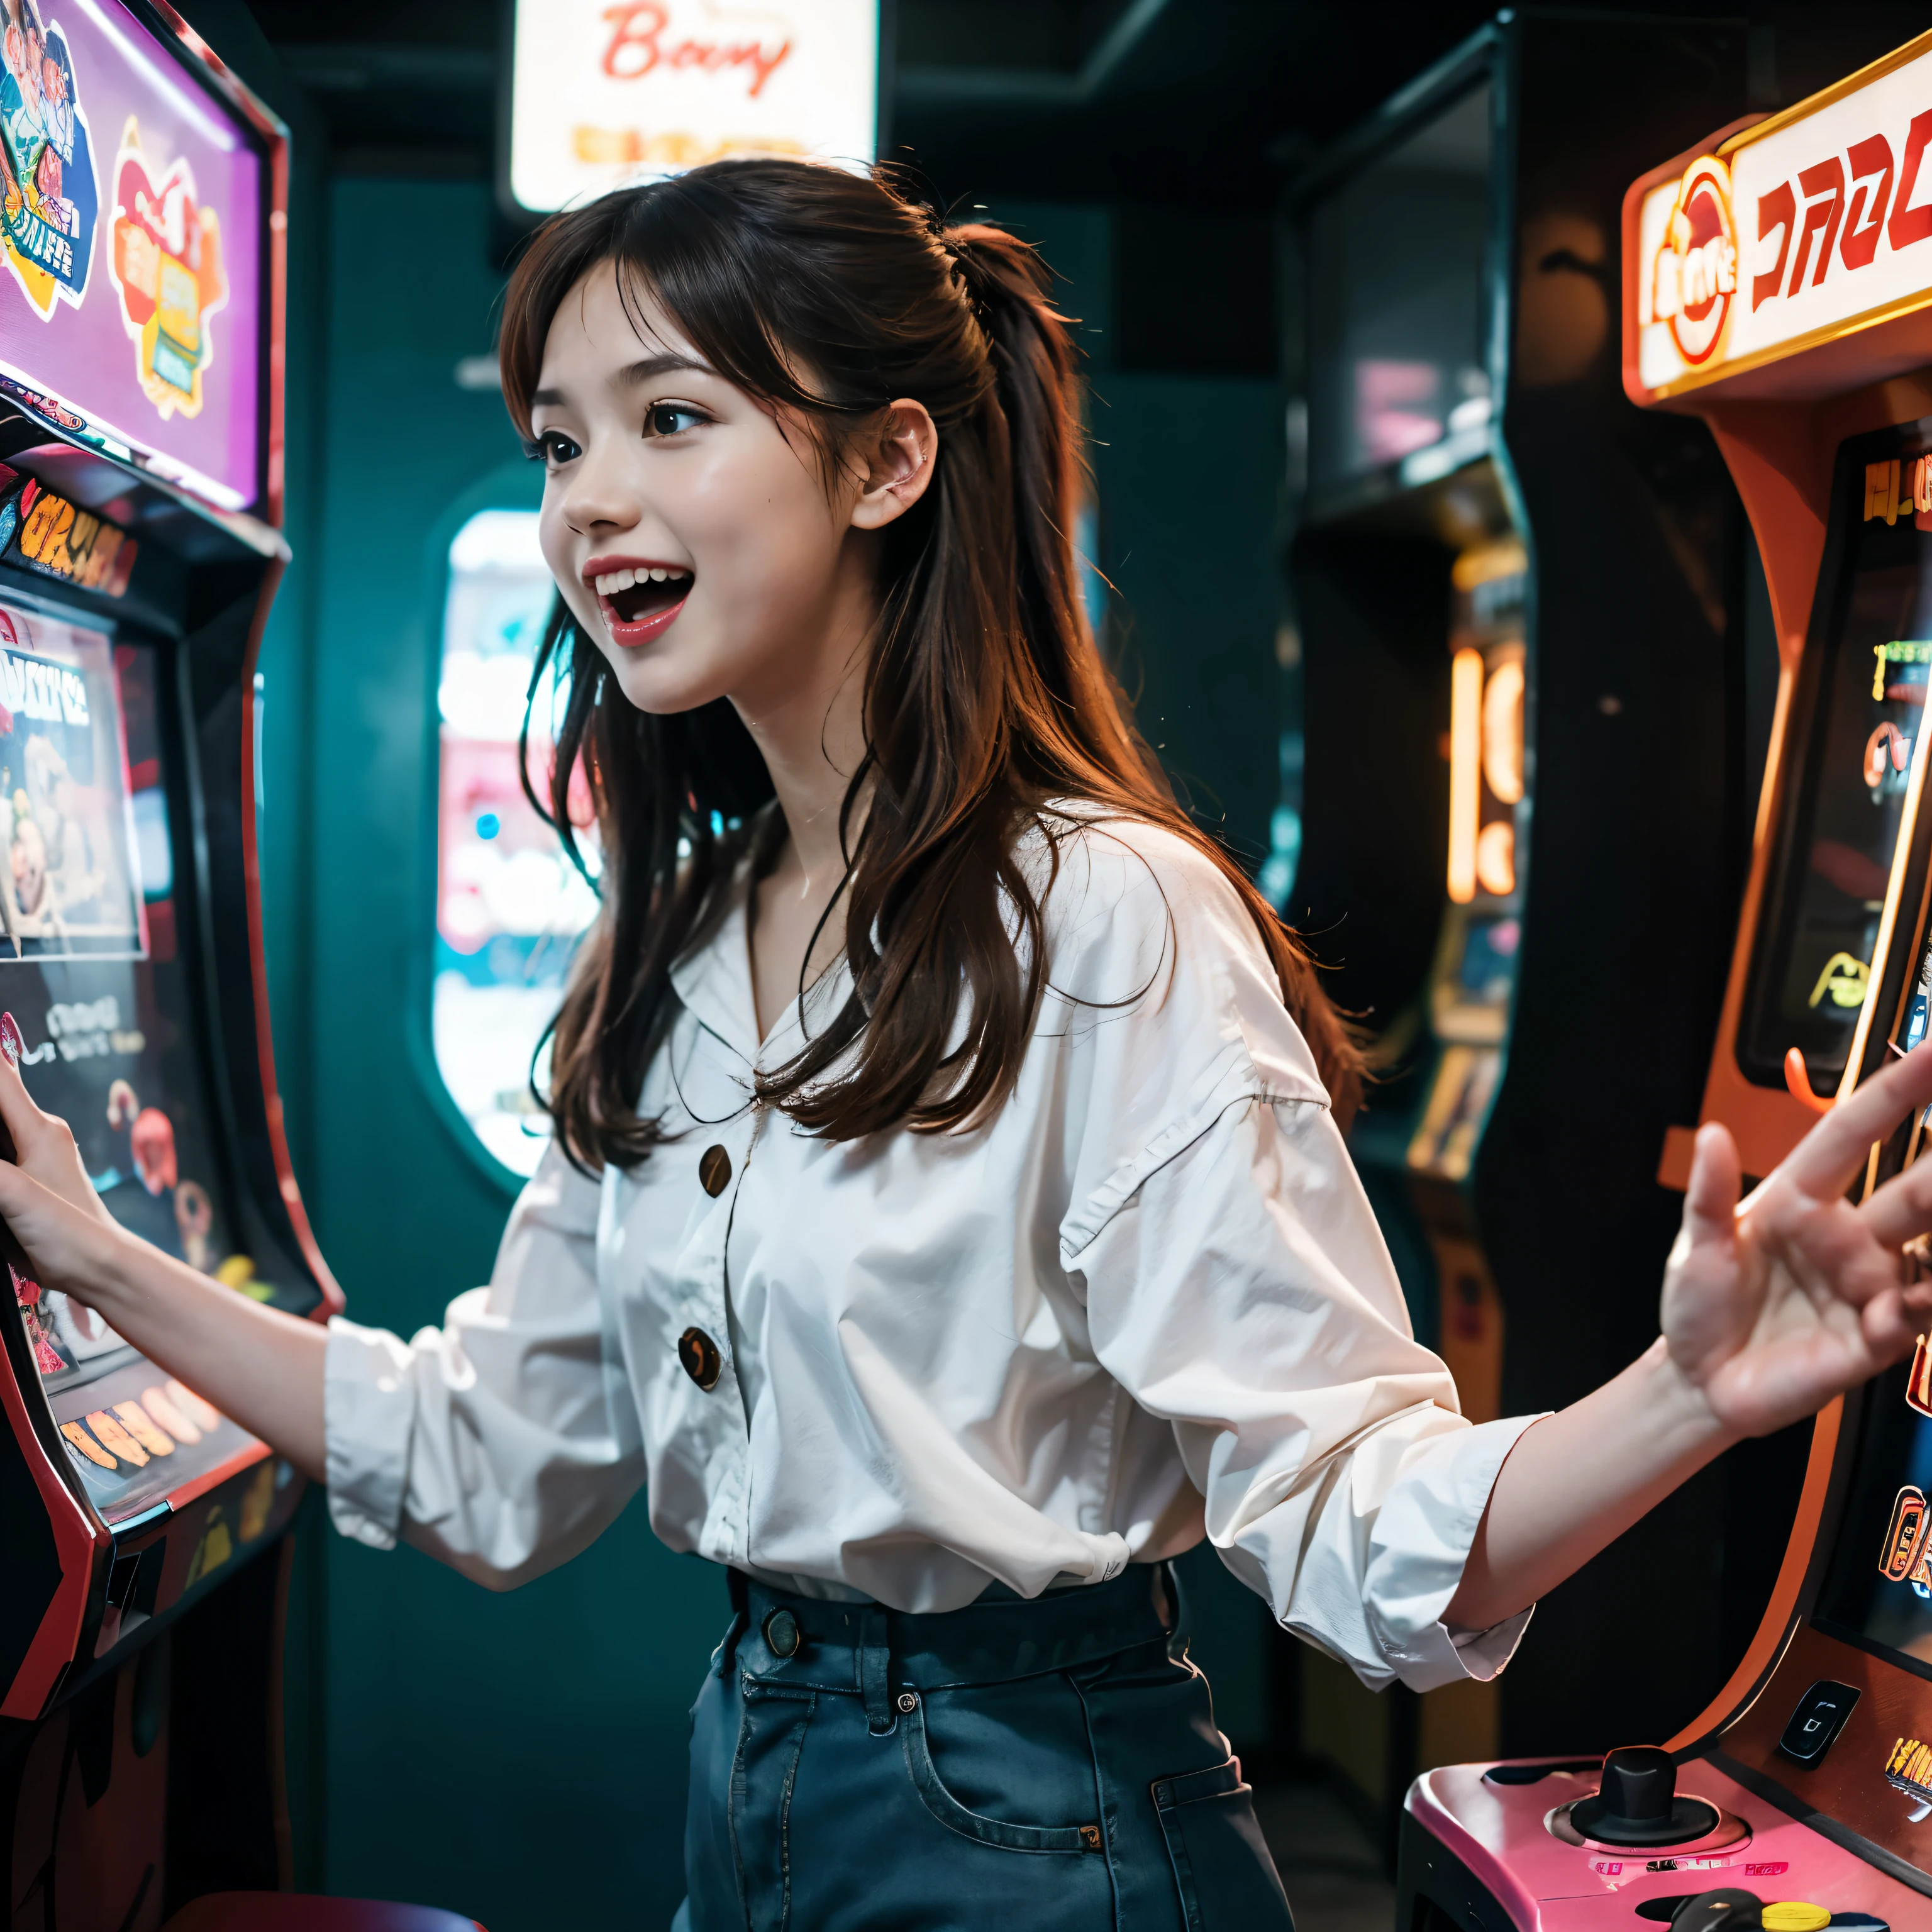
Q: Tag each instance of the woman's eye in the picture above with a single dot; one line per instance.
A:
(672, 418)
(553, 448)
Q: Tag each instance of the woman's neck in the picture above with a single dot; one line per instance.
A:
(811, 733)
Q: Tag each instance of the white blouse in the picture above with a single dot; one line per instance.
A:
(1145, 1301)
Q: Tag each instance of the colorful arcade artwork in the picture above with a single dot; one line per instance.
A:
(69, 885)
(165, 260)
(49, 204)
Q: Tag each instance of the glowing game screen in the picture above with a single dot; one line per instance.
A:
(112, 1032)
(1811, 970)
(1878, 1591)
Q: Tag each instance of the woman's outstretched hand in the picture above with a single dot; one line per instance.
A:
(1773, 1307)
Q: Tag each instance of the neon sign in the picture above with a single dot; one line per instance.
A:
(1811, 225)
(602, 94)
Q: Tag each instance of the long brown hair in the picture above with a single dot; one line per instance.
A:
(830, 294)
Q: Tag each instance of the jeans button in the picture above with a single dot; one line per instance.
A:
(714, 1171)
(782, 1635)
(908, 1701)
(699, 1354)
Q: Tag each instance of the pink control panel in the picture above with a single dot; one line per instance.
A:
(1514, 1841)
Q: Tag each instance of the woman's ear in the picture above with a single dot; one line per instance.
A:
(898, 458)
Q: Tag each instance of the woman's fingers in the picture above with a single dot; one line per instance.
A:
(22, 1117)
(1711, 1201)
(1902, 1208)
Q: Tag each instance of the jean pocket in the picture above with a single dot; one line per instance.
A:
(1221, 1864)
(1076, 1839)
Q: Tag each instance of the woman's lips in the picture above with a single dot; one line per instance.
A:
(652, 593)
(639, 630)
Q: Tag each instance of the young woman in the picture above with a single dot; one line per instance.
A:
(949, 1220)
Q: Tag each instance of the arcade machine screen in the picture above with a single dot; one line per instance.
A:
(1812, 973)
(92, 973)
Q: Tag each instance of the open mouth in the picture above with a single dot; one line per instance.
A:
(635, 594)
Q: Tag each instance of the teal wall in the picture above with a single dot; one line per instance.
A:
(521, 1757)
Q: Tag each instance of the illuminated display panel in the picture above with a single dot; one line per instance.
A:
(112, 1044)
(1844, 807)
(131, 247)
(1878, 1589)
(603, 95)
(1395, 258)
(509, 905)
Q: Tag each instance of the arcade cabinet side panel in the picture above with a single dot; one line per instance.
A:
(1637, 853)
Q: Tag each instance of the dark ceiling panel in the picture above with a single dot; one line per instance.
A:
(1179, 101)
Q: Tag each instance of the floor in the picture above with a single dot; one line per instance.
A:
(1333, 1872)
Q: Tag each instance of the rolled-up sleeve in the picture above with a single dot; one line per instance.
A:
(505, 1441)
(1243, 1294)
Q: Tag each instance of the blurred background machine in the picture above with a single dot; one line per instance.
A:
(1777, 284)
(1537, 682)
(142, 1563)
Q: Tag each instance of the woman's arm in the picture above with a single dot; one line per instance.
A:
(1771, 1307)
(262, 1368)
(498, 1442)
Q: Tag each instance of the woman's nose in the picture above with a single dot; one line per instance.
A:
(599, 497)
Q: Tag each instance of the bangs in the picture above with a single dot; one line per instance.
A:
(721, 264)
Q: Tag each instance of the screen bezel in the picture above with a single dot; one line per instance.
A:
(1892, 959)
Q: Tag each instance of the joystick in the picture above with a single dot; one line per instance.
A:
(1637, 1802)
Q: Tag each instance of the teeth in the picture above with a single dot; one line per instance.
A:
(612, 581)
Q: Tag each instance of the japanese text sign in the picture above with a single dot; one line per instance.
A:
(603, 94)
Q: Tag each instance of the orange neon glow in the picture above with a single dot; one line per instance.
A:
(1495, 858)
(1465, 770)
(1502, 731)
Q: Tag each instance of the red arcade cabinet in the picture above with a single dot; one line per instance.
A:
(142, 230)
(1777, 282)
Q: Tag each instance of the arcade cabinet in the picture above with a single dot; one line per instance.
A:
(1527, 822)
(1777, 282)
(142, 1563)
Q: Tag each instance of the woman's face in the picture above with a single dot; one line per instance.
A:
(692, 529)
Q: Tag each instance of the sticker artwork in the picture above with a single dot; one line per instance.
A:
(50, 202)
(165, 258)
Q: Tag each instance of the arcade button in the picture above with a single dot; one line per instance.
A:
(1792, 1914)
(1820, 1716)
(1637, 1803)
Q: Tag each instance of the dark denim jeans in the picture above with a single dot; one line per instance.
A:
(1011, 1765)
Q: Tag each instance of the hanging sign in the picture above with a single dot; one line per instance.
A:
(1804, 229)
(604, 94)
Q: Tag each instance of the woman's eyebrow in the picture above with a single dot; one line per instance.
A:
(645, 370)
(649, 368)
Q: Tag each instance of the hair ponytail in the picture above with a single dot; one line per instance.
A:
(986, 698)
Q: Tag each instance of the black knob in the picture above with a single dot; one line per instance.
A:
(1638, 1804)
(1639, 1782)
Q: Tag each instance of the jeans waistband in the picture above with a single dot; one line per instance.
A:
(866, 1648)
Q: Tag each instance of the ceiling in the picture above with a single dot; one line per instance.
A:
(1175, 100)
